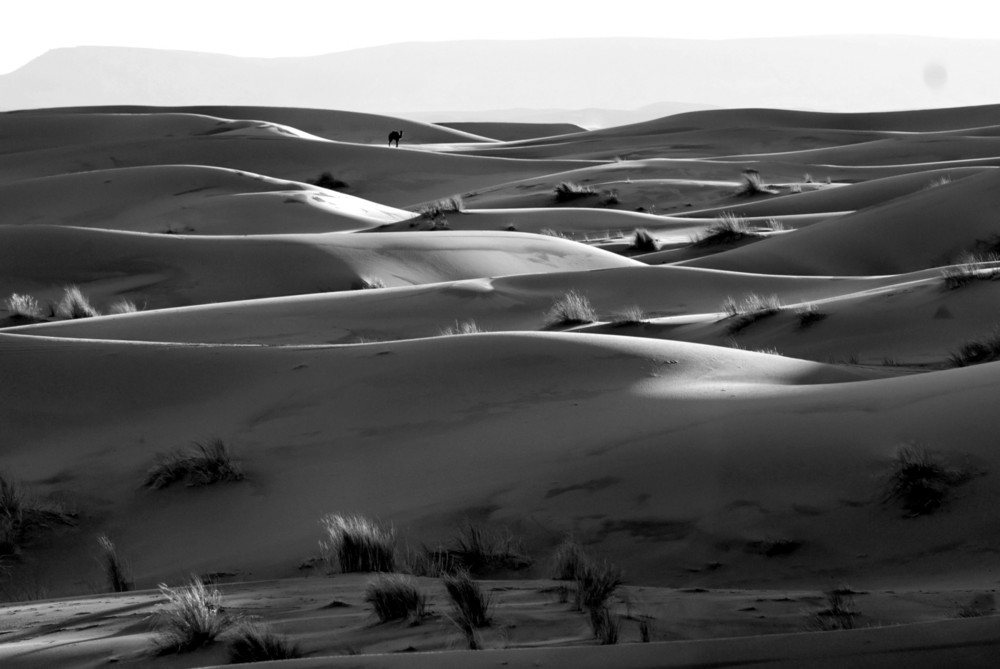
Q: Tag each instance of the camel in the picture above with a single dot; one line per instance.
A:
(395, 136)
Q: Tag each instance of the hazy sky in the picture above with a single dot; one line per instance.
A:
(308, 27)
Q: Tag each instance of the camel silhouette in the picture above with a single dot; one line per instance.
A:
(395, 136)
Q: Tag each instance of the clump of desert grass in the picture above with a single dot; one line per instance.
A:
(74, 304)
(971, 267)
(752, 308)
(191, 618)
(202, 464)
(471, 608)
(358, 544)
(254, 642)
(396, 597)
(568, 560)
(729, 228)
(368, 283)
(919, 481)
(839, 614)
(23, 308)
(977, 351)
(632, 315)
(448, 205)
(328, 181)
(550, 232)
(643, 242)
(943, 180)
(753, 185)
(570, 309)
(122, 306)
(23, 515)
(117, 570)
(596, 582)
(462, 328)
(809, 315)
(567, 191)
(478, 550)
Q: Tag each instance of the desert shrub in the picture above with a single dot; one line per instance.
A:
(809, 315)
(116, 569)
(368, 283)
(628, 316)
(753, 185)
(254, 642)
(970, 268)
(568, 561)
(192, 618)
(610, 198)
(643, 242)
(22, 515)
(918, 481)
(605, 625)
(328, 181)
(729, 228)
(750, 309)
(358, 544)
(478, 550)
(396, 597)
(470, 606)
(23, 307)
(462, 328)
(595, 583)
(448, 205)
(568, 191)
(74, 304)
(570, 309)
(977, 351)
(203, 464)
(940, 181)
(122, 306)
(839, 613)
(549, 232)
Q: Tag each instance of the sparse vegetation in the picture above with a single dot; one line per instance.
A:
(643, 242)
(203, 464)
(753, 186)
(122, 306)
(549, 232)
(940, 181)
(116, 569)
(74, 304)
(479, 551)
(192, 618)
(23, 307)
(570, 309)
(328, 181)
(809, 315)
(368, 283)
(470, 606)
(839, 613)
(22, 515)
(462, 328)
(729, 228)
(919, 481)
(978, 351)
(448, 205)
(605, 625)
(568, 191)
(971, 268)
(595, 583)
(254, 642)
(396, 597)
(628, 316)
(568, 561)
(750, 309)
(358, 544)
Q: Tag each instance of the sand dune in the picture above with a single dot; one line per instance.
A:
(733, 458)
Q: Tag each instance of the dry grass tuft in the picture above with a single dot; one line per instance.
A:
(396, 597)
(23, 307)
(471, 607)
(462, 328)
(568, 191)
(74, 304)
(122, 306)
(569, 560)
(729, 228)
(628, 316)
(978, 351)
(919, 481)
(448, 205)
(753, 186)
(254, 642)
(192, 618)
(358, 544)
(203, 464)
(570, 309)
(643, 242)
(839, 613)
(116, 569)
(750, 309)
(971, 267)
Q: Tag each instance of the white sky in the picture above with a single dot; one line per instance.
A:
(272, 28)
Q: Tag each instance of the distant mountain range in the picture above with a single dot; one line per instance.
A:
(608, 80)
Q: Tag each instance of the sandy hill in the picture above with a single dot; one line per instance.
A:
(775, 427)
(509, 132)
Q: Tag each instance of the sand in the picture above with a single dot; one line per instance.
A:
(363, 352)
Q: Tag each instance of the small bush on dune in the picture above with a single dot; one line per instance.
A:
(568, 561)
(358, 544)
(568, 191)
(753, 186)
(22, 515)
(750, 309)
(328, 181)
(448, 205)
(970, 268)
(549, 232)
(605, 625)
(839, 613)
(570, 309)
(368, 283)
(74, 304)
(122, 306)
(117, 570)
(643, 242)
(919, 481)
(253, 642)
(478, 550)
(192, 618)
(396, 597)
(462, 328)
(729, 228)
(23, 307)
(595, 583)
(978, 351)
(202, 465)
(470, 606)
(629, 316)
(809, 315)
